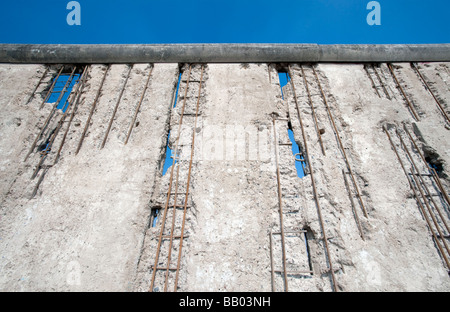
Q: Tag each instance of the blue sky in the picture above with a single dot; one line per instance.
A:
(230, 21)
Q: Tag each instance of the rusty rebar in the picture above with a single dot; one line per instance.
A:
(316, 197)
(37, 86)
(54, 134)
(444, 113)
(435, 223)
(422, 209)
(381, 82)
(163, 220)
(174, 210)
(49, 117)
(431, 170)
(340, 144)
(440, 186)
(188, 179)
(411, 107)
(74, 103)
(353, 204)
(41, 178)
(366, 68)
(139, 105)
(50, 91)
(424, 186)
(66, 85)
(313, 110)
(94, 104)
(280, 206)
(116, 106)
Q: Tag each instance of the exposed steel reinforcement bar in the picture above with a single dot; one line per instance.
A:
(338, 137)
(421, 206)
(444, 113)
(183, 206)
(180, 248)
(169, 192)
(280, 206)
(220, 53)
(313, 183)
(94, 104)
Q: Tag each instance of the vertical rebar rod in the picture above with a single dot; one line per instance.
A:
(188, 181)
(353, 204)
(440, 186)
(37, 86)
(280, 206)
(371, 79)
(163, 220)
(139, 105)
(316, 197)
(50, 144)
(116, 106)
(381, 82)
(434, 221)
(66, 86)
(422, 209)
(433, 172)
(444, 113)
(55, 134)
(430, 211)
(49, 117)
(74, 103)
(424, 186)
(340, 144)
(41, 178)
(50, 91)
(413, 111)
(94, 104)
(172, 229)
(313, 110)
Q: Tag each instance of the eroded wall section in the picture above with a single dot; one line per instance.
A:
(85, 204)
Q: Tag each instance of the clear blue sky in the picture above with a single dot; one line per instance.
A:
(227, 21)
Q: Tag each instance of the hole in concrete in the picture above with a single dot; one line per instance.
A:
(284, 78)
(63, 79)
(299, 159)
(434, 163)
(168, 161)
(308, 235)
(178, 88)
(433, 160)
(154, 216)
(45, 146)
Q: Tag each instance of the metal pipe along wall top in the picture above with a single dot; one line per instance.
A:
(219, 53)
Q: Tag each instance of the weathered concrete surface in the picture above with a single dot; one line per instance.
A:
(233, 191)
(82, 230)
(398, 253)
(88, 226)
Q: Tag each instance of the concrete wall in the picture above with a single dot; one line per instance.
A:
(88, 225)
